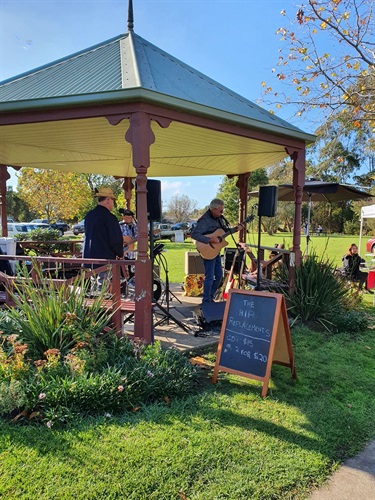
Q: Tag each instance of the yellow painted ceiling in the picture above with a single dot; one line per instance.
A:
(94, 146)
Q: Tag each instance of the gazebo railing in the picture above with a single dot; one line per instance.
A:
(53, 264)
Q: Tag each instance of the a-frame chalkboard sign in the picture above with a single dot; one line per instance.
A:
(255, 334)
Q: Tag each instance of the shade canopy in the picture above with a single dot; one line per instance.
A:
(367, 212)
(320, 191)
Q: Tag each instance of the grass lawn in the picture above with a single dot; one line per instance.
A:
(225, 441)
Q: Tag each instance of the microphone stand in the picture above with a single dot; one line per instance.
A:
(167, 315)
(167, 292)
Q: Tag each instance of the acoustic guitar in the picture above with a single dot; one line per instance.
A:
(211, 250)
(129, 242)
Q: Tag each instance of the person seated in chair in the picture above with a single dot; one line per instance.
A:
(351, 267)
(273, 253)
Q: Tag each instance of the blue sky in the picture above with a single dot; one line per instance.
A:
(231, 41)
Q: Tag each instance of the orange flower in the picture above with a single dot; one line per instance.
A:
(19, 349)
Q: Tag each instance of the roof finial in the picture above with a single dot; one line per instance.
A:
(130, 16)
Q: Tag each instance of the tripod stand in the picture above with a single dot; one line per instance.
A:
(167, 316)
(162, 261)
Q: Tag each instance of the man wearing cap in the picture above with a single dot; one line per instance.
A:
(129, 231)
(103, 237)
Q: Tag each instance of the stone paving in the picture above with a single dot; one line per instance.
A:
(181, 310)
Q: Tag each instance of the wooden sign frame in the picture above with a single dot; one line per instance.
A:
(280, 342)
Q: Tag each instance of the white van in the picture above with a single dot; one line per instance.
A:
(23, 227)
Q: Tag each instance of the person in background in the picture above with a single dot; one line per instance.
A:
(351, 267)
(273, 253)
(129, 231)
(103, 237)
(209, 223)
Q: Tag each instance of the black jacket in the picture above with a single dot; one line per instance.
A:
(207, 224)
(352, 265)
(103, 237)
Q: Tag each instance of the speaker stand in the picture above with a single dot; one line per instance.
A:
(168, 316)
(259, 267)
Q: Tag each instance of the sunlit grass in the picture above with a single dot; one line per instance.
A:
(223, 442)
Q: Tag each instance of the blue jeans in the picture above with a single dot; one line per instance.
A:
(212, 276)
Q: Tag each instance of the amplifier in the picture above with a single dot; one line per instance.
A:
(193, 263)
(229, 254)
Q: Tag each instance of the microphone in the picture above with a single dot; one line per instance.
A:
(225, 220)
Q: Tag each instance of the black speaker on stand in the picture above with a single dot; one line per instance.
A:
(154, 213)
(267, 206)
(154, 206)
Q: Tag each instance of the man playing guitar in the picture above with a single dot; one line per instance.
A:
(129, 231)
(209, 246)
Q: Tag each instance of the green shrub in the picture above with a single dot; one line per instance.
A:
(12, 396)
(351, 227)
(43, 236)
(319, 294)
(351, 321)
(58, 360)
(57, 389)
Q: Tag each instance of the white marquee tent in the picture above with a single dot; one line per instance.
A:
(366, 213)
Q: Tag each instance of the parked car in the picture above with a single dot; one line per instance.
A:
(39, 221)
(59, 225)
(79, 228)
(370, 246)
(23, 227)
(166, 232)
(180, 226)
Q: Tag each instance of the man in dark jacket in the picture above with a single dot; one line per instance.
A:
(103, 237)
